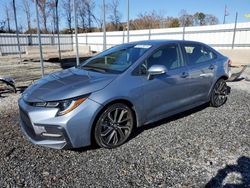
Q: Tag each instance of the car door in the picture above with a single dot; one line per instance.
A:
(201, 68)
(165, 93)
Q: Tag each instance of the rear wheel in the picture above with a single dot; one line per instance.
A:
(219, 93)
(114, 126)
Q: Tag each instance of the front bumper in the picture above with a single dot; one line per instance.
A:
(42, 127)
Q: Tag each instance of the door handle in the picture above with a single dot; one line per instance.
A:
(206, 75)
(211, 67)
(184, 74)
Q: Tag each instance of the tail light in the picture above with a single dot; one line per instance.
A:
(229, 62)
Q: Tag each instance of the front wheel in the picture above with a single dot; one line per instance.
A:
(114, 126)
(219, 93)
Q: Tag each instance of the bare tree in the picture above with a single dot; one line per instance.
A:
(85, 9)
(43, 7)
(211, 19)
(185, 18)
(99, 19)
(82, 12)
(199, 18)
(172, 22)
(52, 7)
(68, 8)
(115, 15)
(2, 26)
(99, 22)
(90, 6)
(26, 9)
(147, 20)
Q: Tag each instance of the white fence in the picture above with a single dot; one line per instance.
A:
(8, 42)
(218, 36)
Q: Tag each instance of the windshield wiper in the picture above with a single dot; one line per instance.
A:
(93, 68)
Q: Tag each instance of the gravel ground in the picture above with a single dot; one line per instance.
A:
(205, 146)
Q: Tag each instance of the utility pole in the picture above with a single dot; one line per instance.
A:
(17, 32)
(225, 14)
(128, 22)
(104, 26)
(235, 26)
(76, 36)
(39, 39)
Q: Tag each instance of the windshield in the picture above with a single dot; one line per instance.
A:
(115, 60)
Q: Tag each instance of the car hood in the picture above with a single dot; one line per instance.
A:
(66, 84)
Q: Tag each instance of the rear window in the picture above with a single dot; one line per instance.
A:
(197, 54)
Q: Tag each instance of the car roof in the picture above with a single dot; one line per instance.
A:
(160, 42)
(168, 41)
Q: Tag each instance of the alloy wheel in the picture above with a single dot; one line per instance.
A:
(114, 126)
(219, 93)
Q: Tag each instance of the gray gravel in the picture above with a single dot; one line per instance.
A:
(187, 150)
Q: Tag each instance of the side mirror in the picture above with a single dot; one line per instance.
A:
(156, 70)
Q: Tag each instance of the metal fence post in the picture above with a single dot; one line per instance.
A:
(39, 39)
(128, 24)
(29, 39)
(57, 28)
(76, 36)
(149, 34)
(52, 39)
(183, 33)
(104, 26)
(235, 26)
(123, 35)
(72, 41)
(86, 39)
(17, 32)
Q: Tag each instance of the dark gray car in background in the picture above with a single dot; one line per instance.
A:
(124, 87)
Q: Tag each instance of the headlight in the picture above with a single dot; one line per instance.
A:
(69, 105)
(64, 106)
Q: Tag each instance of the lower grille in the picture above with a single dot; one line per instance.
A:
(27, 125)
(51, 130)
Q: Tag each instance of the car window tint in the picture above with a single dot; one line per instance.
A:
(167, 56)
(115, 60)
(197, 54)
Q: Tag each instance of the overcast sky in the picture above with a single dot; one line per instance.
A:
(166, 7)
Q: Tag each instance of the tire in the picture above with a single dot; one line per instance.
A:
(219, 93)
(114, 126)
